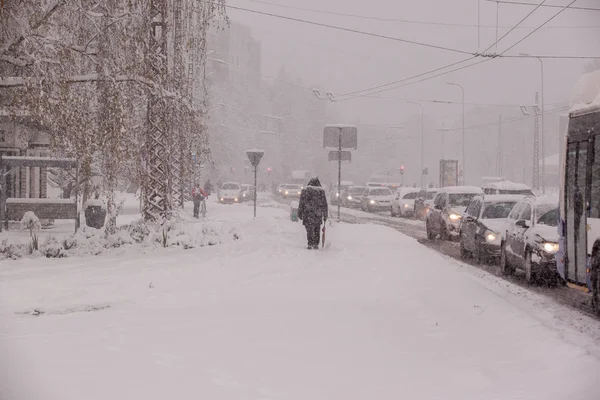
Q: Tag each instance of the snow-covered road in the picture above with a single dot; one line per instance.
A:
(375, 315)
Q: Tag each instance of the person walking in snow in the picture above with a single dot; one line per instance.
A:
(312, 210)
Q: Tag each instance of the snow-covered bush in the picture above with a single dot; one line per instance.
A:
(32, 222)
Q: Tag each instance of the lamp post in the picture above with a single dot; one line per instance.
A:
(422, 140)
(542, 113)
(463, 129)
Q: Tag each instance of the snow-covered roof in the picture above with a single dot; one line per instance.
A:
(407, 190)
(462, 189)
(507, 185)
(340, 126)
(547, 199)
(94, 202)
(493, 198)
(39, 201)
(586, 93)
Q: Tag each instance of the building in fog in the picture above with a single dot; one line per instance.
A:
(233, 75)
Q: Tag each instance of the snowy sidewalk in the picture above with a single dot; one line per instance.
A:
(373, 316)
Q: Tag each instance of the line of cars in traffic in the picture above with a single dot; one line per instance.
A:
(516, 231)
(501, 223)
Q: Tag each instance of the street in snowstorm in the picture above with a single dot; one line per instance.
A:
(285, 199)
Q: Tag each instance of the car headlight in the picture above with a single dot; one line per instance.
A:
(235, 199)
(337, 195)
(454, 217)
(490, 236)
(372, 201)
(298, 192)
(349, 197)
(550, 247)
(406, 206)
(222, 199)
(286, 192)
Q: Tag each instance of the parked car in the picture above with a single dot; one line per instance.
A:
(530, 239)
(377, 199)
(449, 206)
(507, 187)
(482, 225)
(424, 202)
(291, 191)
(230, 192)
(403, 204)
(352, 197)
(247, 192)
(335, 195)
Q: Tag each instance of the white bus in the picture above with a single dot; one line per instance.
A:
(578, 258)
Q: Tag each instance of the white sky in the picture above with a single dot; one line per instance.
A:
(343, 62)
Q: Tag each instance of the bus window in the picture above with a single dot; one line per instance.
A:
(595, 189)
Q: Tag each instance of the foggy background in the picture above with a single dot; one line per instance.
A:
(296, 57)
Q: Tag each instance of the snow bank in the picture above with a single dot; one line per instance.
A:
(374, 315)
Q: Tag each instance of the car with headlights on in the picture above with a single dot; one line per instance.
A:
(482, 224)
(403, 204)
(229, 192)
(247, 192)
(290, 191)
(529, 241)
(424, 202)
(352, 196)
(376, 199)
(336, 195)
(449, 206)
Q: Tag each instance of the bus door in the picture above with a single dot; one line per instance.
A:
(593, 218)
(577, 195)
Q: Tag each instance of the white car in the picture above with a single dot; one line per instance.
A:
(291, 191)
(230, 192)
(449, 206)
(377, 199)
(403, 204)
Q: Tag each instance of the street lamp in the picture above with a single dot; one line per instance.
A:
(422, 141)
(542, 113)
(464, 170)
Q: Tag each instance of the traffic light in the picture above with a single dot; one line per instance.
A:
(402, 169)
(269, 169)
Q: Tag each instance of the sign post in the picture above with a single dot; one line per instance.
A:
(340, 137)
(254, 156)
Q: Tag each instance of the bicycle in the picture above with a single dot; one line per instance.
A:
(203, 208)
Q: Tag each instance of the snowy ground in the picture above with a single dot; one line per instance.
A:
(374, 315)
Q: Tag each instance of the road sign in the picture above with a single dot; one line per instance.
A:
(254, 156)
(335, 155)
(349, 137)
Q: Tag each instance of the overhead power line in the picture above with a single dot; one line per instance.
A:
(538, 28)
(392, 86)
(408, 21)
(522, 3)
(507, 121)
(340, 28)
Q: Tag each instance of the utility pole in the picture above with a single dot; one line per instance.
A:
(499, 149)
(535, 180)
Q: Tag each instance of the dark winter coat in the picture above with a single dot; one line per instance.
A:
(312, 209)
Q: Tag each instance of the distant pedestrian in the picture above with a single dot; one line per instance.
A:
(198, 195)
(313, 211)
